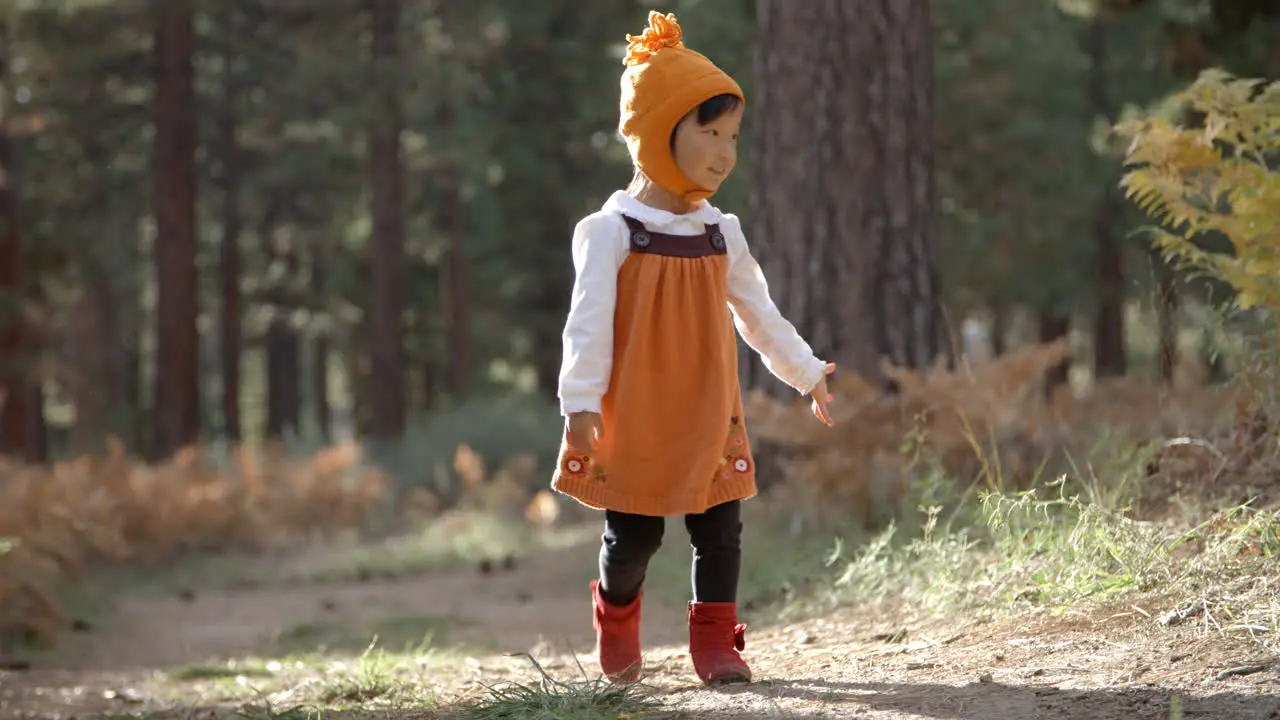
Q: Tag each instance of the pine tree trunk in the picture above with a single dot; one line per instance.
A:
(320, 348)
(282, 357)
(229, 260)
(177, 411)
(999, 328)
(843, 195)
(38, 425)
(83, 347)
(430, 387)
(99, 341)
(458, 269)
(323, 407)
(15, 336)
(1054, 326)
(387, 252)
(1167, 314)
(1109, 356)
(284, 396)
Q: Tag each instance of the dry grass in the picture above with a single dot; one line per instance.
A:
(57, 519)
(991, 426)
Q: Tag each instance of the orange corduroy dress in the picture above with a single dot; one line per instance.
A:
(675, 441)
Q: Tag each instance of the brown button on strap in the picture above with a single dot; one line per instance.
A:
(716, 237)
(709, 242)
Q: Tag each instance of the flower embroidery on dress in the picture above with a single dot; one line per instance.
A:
(737, 457)
(582, 465)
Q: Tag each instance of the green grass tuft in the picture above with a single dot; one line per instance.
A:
(552, 699)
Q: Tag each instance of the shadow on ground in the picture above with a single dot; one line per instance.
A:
(995, 701)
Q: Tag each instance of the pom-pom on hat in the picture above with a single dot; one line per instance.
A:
(663, 82)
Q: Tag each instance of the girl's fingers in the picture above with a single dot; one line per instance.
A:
(820, 412)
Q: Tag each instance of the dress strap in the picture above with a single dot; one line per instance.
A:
(710, 242)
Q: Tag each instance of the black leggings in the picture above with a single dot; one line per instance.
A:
(629, 542)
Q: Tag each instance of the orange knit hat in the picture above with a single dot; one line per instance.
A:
(663, 82)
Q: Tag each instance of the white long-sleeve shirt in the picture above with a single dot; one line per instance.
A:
(601, 242)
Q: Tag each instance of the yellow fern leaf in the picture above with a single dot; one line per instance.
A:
(1214, 179)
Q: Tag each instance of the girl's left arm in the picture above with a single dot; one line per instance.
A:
(759, 321)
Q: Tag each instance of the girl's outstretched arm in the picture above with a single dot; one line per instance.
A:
(598, 252)
(759, 321)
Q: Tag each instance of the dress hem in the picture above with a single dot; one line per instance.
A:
(598, 495)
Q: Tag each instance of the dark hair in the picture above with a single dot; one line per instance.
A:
(711, 109)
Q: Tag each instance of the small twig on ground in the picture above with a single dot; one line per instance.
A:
(1241, 671)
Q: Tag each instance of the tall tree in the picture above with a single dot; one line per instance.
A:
(229, 33)
(843, 204)
(283, 368)
(177, 396)
(1109, 357)
(387, 260)
(457, 266)
(16, 435)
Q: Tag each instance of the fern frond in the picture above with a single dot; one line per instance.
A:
(1214, 180)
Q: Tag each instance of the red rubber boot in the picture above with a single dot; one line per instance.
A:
(617, 637)
(715, 637)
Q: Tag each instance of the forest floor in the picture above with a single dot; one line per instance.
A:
(288, 635)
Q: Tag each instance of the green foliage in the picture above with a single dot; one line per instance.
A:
(499, 429)
(1051, 548)
(1215, 178)
(1017, 178)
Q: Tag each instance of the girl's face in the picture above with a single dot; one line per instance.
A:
(706, 154)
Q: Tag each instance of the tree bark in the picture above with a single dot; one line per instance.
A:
(1167, 319)
(284, 397)
(1053, 326)
(458, 301)
(999, 328)
(843, 195)
(387, 396)
(283, 362)
(177, 379)
(1109, 356)
(320, 348)
(229, 261)
(16, 436)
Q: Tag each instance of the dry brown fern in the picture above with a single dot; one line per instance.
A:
(988, 423)
(116, 509)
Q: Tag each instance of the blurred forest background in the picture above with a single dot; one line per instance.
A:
(248, 220)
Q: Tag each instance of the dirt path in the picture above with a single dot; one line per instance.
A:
(539, 600)
(854, 663)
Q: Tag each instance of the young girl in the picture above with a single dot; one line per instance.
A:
(649, 383)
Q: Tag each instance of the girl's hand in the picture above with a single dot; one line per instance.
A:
(821, 397)
(586, 430)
